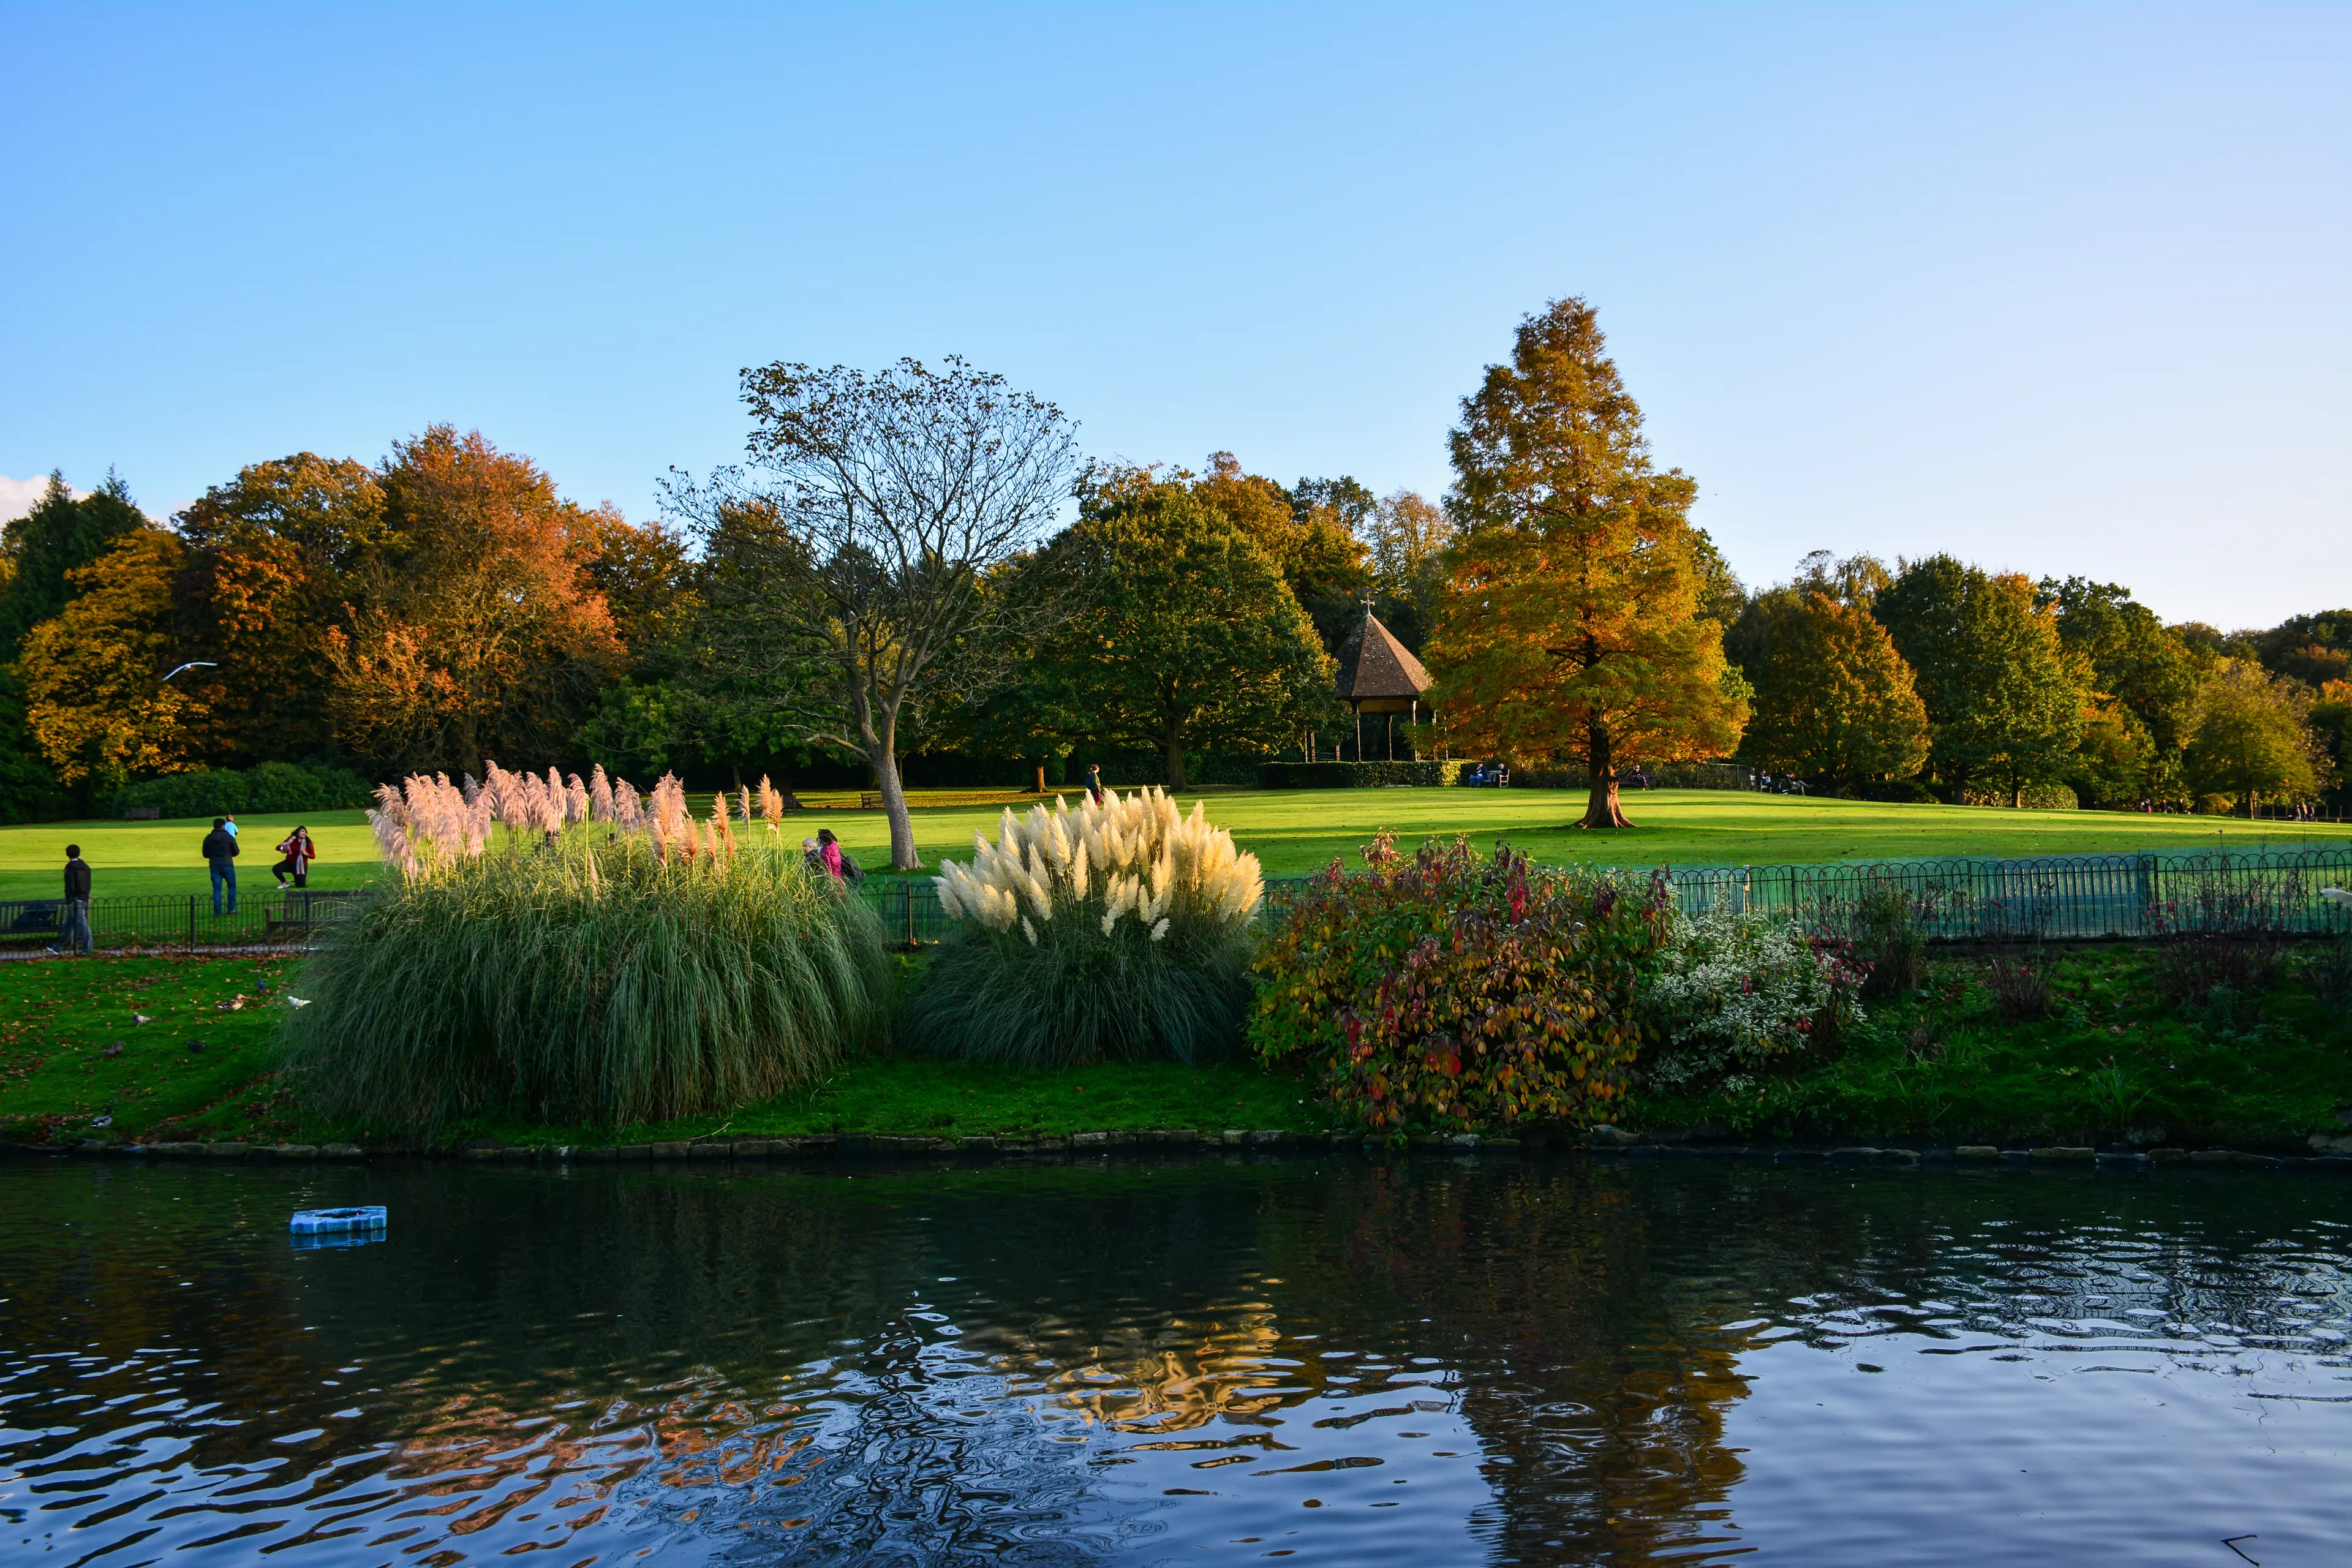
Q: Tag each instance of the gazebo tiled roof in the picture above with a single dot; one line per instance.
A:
(1373, 665)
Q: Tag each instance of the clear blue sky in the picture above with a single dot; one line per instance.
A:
(2058, 290)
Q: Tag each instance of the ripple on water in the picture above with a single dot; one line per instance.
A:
(1337, 1360)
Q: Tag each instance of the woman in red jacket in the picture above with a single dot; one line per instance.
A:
(295, 856)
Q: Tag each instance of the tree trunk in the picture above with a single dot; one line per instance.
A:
(1601, 809)
(894, 805)
(2246, 807)
(2016, 792)
(1040, 780)
(1172, 748)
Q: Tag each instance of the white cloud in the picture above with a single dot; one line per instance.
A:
(17, 496)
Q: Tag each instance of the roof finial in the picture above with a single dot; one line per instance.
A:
(1367, 603)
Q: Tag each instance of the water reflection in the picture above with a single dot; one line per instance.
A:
(1340, 1359)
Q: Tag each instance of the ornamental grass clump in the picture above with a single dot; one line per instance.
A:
(1121, 930)
(1451, 991)
(561, 950)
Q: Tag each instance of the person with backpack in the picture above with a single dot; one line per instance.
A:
(220, 855)
(296, 853)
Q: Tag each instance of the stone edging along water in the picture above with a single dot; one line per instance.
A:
(2331, 1155)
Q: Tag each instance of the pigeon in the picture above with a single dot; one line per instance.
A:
(140, 1019)
(115, 1049)
(105, 1120)
(262, 987)
(298, 1001)
(2335, 895)
(196, 1045)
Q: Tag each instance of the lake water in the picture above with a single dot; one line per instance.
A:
(1427, 1359)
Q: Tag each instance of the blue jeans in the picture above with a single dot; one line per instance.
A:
(223, 875)
(75, 938)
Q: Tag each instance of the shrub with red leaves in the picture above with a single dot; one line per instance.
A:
(1452, 990)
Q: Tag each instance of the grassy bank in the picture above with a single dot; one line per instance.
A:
(1292, 832)
(2110, 1063)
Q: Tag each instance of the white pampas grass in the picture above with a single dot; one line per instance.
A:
(1123, 856)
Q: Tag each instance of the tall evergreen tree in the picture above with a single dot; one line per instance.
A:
(1573, 626)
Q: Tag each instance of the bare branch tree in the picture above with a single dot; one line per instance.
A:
(856, 559)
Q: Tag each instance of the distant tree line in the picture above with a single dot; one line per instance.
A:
(916, 563)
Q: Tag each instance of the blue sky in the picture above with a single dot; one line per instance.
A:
(2058, 290)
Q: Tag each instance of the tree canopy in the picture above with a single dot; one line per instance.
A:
(866, 525)
(1572, 626)
(1834, 700)
(2001, 696)
(2249, 738)
(1184, 634)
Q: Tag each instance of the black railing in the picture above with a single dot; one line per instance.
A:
(2064, 897)
(274, 919)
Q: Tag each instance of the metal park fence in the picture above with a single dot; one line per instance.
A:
(2059, 898)
(168, 922)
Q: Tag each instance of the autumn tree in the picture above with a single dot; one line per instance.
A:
(1834, 700)
(2003, 697)
(2314, 649)
(39, 552)
(476, 628)
(864, 525)
(2143, 679)
(275, 556)
(1184, 635)
(97, 701)
(2250, 737)
(1572, 624)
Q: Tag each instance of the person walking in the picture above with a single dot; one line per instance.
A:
(75, 928)
(220, 854)
(1094, 782)
(296, 853)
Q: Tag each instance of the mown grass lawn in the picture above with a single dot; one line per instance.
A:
(1292, 832)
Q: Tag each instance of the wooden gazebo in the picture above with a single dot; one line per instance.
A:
(1379, 675)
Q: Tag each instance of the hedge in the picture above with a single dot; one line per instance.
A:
(1356, 775)
(2038, 797)
(268, 787)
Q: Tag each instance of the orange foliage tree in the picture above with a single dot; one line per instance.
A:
(475, 626)
(1571, 627)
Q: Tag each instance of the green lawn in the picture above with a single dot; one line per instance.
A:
(128, 857)
(1292, 832)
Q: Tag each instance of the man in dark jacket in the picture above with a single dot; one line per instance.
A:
(220, 854)
(75, 927)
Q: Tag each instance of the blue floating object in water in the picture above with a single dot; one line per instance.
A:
(338, 1222)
